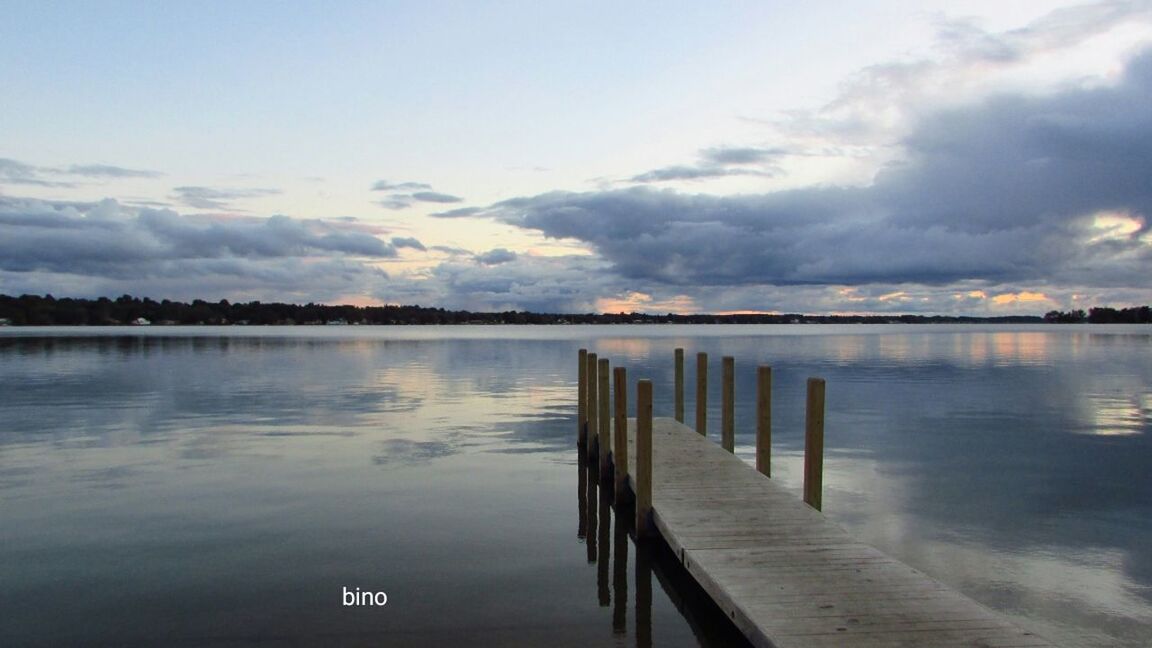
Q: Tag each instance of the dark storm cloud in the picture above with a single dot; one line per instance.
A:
(1020, 161)
(1000, 191)
(540, 284)
(436, 197)
(280, 279)
(111, 241)
(384, 185)
(213, 198)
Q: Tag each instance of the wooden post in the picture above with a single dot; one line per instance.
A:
(620, 448)
(605, 401)
(764, 420)
(679, 391)
(814, 444)
(702, 393)
(593, 425)
(582, 399)
(644, 526)
(728, 404)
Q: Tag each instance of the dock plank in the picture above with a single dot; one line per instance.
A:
(784, 573)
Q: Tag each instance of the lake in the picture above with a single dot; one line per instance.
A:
(227, 486)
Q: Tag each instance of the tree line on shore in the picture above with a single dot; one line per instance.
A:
(36, 310)
(1102, 315)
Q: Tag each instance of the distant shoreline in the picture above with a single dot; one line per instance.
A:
(35, 310)
(1021, 320)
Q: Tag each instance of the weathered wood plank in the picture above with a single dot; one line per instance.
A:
(785, 574)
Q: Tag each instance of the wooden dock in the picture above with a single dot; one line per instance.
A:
(783, 573)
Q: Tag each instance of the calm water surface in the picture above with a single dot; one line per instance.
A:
(221, 486)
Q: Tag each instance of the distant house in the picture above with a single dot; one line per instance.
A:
(140, 321)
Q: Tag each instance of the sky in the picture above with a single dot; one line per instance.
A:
(976, 158)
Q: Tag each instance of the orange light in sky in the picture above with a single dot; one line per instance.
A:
(638, 302)
(1023, 296)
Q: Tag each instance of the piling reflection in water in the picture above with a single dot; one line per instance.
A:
(620, 577)
(608, 531)
(591, 532)
(582, 493)
(643, 594)
(602, 591)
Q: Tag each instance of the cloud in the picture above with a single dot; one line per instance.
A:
(458, 213)
(396, 202)
(15, 172)
(989, 201)
(403, 195)
(384, 185)
(1059, 29)
(213, 198)
(542, 284)
(451, 250)
(671, 173)
(436, 197)
(404, 201)
(496, 257)
(408, 242)
(738, 155)
(106, 243)
(718, 162)
(109, 171)
(324, 280)
(1008, 190)
(877, 104)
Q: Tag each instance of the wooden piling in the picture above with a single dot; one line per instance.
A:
(777, 567)
(644, 524)
(781, 571)
(592, 408)
(582, 399)
(604, 399)
(620, 447)
(728, 404)
(814, 444)
(679, 390)
(764, 420)
(702, 394)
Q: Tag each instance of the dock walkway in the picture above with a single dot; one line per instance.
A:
(784, 574)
